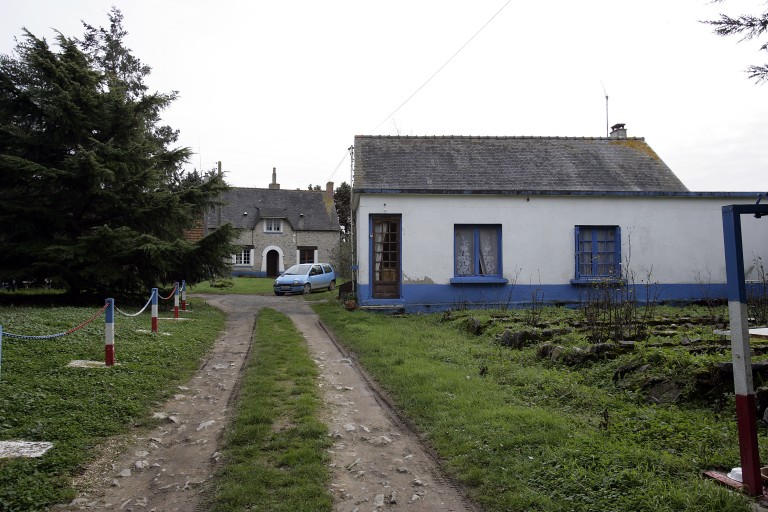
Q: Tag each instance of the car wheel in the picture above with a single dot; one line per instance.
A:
(332, 286)
(279, 293)
(307, 288)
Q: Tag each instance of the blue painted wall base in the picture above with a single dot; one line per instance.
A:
(435, 297)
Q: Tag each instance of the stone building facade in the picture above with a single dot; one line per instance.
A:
(277, 228)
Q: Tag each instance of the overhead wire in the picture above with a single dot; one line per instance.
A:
(346, 153)
(428, 80)
(441, 67)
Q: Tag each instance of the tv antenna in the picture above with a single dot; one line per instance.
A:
(607, 133)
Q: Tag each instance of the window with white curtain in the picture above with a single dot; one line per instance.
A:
(477, 250)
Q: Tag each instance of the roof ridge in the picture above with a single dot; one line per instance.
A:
(232, 187)
(496, 137)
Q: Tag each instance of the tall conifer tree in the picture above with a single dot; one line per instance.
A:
(92, 190)
(749, 27)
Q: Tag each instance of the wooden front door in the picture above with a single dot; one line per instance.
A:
(386, 257)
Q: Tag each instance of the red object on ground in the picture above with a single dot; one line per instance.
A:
(750, 458)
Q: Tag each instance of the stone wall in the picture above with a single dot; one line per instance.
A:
(286, 243)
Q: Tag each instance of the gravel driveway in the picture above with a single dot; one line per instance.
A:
(377, 462)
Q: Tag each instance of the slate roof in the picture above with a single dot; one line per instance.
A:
(319, 211)
(469, 164)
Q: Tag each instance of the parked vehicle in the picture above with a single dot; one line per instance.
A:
(305, 278)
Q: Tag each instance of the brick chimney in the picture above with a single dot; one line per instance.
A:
(329, 190)
(618, 131)
(275, 185)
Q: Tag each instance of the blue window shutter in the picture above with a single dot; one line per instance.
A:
(576, 252)
(499, 253)
(617, 244)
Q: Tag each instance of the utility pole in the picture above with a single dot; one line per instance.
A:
(352, 217)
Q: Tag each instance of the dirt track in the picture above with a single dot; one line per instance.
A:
(377, 462)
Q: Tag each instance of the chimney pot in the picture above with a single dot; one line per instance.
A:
(618, 131)
(274, 185)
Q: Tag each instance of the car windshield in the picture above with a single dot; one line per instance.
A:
(297, 270)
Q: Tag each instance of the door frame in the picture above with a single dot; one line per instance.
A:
(396, 293)
(273, 265)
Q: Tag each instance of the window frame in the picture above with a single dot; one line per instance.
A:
(478, 278)
(243, 258)
(616, 276)
(269, 225)
(305, 251)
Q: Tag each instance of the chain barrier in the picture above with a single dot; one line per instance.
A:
(171, 295)
(135, 314)
(109, 321)
(59, 334)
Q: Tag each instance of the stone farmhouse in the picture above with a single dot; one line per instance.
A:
(278, 228)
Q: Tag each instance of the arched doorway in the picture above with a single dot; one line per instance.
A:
(273, 263)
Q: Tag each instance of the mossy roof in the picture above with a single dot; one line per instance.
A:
(508, 164)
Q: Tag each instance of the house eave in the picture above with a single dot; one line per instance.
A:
(596, 193)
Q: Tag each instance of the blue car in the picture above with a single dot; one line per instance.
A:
(305, 278)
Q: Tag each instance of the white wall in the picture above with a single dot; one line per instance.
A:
(676, 237)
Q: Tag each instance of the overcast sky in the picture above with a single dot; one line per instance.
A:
(289, 84)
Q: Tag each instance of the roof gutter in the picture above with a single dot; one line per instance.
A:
(593, 193)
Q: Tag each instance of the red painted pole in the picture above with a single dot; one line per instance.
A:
(109, 334)
(176, 300)
(748, 449)
(154, 309)
(183, 295)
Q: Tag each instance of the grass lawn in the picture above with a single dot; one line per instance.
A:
(235, 285)
(526, 433)
(275, 456)
(523, 432)
(251, 286)
(41, 399)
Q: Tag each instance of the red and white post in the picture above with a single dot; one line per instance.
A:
(183, 295)
(176, 300)
(109, 334)
(154, 309)
(746, 410)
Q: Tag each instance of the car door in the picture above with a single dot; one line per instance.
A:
(326, 276)
(330, 274)
(316, 277)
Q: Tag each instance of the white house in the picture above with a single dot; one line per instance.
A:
(446, 222)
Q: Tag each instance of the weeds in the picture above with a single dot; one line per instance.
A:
(612, 311)
(535, 309)
(757, 295)
(713, 305)
(530, 434)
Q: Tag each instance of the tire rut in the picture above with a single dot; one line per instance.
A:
(377, 460)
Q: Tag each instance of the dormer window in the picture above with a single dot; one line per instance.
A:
(273, 226)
